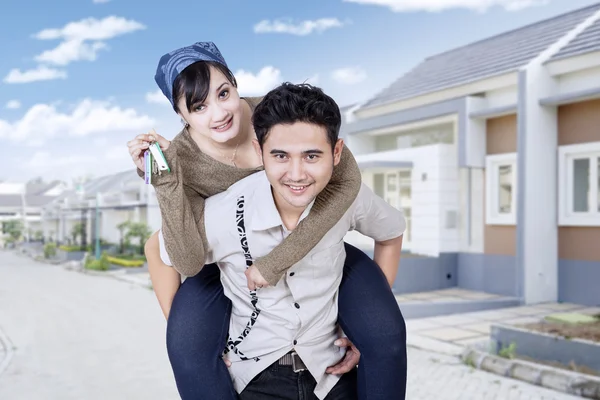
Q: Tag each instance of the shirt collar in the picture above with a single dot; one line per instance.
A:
(266, 215)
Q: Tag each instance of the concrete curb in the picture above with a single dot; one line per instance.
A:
(569, 382)
(121, 276)
(7, 345)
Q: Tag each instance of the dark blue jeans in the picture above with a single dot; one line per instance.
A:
(368, 314)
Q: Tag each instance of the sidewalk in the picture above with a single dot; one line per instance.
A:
(461, 330)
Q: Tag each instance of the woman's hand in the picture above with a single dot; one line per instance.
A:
(140, 144)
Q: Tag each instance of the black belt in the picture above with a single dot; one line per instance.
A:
(292, 358)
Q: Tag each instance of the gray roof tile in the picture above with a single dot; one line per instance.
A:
(586, 42)
(483, 59)
(38, 201)
(11, 200)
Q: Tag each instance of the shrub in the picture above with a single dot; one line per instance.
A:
(124, 262)
(49, 250)
(70, 248)
(101, 264)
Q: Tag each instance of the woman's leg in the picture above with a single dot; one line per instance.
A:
(370, 316)
(196, 335)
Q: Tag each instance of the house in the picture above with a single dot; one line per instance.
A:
(493, 152)
(24, 202)
(110, 200)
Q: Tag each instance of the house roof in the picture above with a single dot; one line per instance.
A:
(11, 200)
(35, 188)
(586, 42)
(38, 201)
(487, 58)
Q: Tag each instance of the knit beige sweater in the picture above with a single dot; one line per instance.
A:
(195, 176)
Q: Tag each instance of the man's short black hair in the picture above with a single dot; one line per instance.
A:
(290, 103)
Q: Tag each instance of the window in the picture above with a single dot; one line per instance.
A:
(501, 189)
(579, 184)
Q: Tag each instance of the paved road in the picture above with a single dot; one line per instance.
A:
(78, 336)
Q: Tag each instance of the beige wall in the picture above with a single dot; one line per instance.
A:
(579, 123)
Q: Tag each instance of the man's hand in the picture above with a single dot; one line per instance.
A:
(349, 361)
(227, 362)
(255, 278)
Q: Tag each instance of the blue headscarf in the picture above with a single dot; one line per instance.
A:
(171, 64)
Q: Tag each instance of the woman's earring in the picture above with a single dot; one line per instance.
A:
(184, 122)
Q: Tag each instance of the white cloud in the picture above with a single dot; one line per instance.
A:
(44, 160)
(88, 117)
(157, 97)
(349, 75)
(41, 73)
(301, 28)
(100, 1)
(92, 29)
(82, 40)
(13, 104)
(257, 85)
(71, 50)
(442, 5)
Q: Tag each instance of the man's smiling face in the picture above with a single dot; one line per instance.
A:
(298, 160)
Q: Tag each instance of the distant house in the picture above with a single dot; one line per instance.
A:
(493, 152)
(24, 202)
(108, 201)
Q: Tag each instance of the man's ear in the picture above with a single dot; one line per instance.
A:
(257, 148)
(337, 151)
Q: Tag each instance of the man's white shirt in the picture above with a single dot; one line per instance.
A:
(299, 313)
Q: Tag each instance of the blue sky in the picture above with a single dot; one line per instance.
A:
(77, 76)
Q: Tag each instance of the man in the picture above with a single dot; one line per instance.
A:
(281, 338)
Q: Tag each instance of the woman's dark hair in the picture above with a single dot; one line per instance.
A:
(290, 103)
(194, 83)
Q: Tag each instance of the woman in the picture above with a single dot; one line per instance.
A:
(212, 152)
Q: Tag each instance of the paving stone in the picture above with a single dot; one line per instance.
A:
(481, 327)
(492, 315)
(480, 296)
(456, 319)
(449, 334)
(526, 310)
(560, 306)
(414, 325)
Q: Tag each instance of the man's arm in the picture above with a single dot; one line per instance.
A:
(387, 256)
(375, 218)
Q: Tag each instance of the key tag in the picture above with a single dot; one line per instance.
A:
(159, 157)
(148, 167)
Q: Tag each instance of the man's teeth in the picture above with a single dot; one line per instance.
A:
(297, 187)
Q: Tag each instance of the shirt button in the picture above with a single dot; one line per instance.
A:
(292, 273)
(295, 342)
(296, 305)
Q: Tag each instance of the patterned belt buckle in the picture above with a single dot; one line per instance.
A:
(297, 363)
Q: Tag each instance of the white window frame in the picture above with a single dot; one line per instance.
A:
(566, 155)
(492, 164)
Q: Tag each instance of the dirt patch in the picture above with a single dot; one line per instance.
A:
(588, 331)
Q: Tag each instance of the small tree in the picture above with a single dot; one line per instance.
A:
(13, 228)
(141, 231)
(122, 227)
(77, 232)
